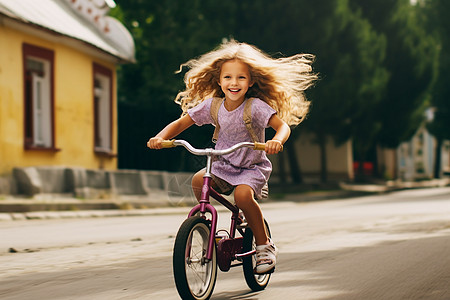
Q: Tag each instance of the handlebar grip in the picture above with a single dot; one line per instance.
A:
(260, 146)
(167, 144)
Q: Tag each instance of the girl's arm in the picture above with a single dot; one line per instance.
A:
(170, 131)
(283, 131)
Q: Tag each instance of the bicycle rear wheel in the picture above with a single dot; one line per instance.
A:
(254, 281)
(194, 276)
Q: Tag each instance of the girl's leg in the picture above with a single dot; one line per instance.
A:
(244, 198)
(197, 183)
(266, 251)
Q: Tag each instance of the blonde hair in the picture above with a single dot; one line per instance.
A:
(280, 82)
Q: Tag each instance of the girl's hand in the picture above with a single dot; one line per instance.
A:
(155, 143)
(274, 146)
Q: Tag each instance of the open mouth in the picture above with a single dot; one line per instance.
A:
(234, 91)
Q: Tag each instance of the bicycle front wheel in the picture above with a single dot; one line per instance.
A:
(256, 282)
(195, 276)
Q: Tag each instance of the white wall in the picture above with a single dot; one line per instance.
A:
(339, 159)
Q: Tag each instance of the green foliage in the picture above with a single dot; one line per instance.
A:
(409, 60)
(375, 61)
(166, 34)
(436, 14)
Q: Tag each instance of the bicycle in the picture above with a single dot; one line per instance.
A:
(199, 247)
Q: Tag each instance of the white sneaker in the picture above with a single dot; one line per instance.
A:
(266, 258)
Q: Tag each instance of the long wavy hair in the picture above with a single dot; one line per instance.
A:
(280, 82)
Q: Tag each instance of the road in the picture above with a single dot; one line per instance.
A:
(391, 246)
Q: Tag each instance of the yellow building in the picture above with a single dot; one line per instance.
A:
(58, 87)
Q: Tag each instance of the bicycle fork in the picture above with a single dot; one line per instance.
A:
(204, 206)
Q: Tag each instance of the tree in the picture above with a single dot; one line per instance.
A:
(435, 12)
(348, 101)
(353, 81)
(409, 59)
(348, 54)
(166, 34)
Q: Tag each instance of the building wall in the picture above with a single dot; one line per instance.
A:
(387, 163)
(339, 160)
(414, 159)
(74, 117)
(446, 158)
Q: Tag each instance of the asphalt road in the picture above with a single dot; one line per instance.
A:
(391, 246)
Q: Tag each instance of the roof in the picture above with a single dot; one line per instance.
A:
(83, 20)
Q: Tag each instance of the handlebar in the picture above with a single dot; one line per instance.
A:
(210, 151)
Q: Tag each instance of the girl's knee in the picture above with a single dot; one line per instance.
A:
(197, 179)
(243, 194)
(197, 182)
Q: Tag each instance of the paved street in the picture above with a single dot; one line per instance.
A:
(391, 246)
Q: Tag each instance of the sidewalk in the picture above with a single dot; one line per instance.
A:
(52, 206)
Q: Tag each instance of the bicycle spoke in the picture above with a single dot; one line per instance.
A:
(198, 271)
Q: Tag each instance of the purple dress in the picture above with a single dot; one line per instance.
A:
(244, 166)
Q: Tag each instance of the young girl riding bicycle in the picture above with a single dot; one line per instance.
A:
(238, 73)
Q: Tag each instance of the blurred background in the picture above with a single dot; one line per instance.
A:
(383, 68)
(85, 84)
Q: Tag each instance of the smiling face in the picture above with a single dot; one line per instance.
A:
(234, 81)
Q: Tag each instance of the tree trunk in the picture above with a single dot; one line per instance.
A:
(360, 176)
(376, 169)
(282, 168)
(323, 157)
(437, 158)
(294, 165)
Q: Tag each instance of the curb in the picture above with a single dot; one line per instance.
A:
(51, 215)
(390, 186)
(55, 210)
(55, 207)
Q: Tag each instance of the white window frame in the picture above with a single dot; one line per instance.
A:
(102, 110)
(42, 133)
(38, 98)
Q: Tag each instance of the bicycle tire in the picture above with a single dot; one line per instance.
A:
(194, 277)
(254, 281)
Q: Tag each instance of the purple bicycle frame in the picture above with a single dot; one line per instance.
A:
(205, 206)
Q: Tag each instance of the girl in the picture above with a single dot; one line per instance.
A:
(236, 72)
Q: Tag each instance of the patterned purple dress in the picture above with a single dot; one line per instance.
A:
(244, 166)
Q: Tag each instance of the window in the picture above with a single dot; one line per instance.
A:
(102, 109)
(38, 98)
